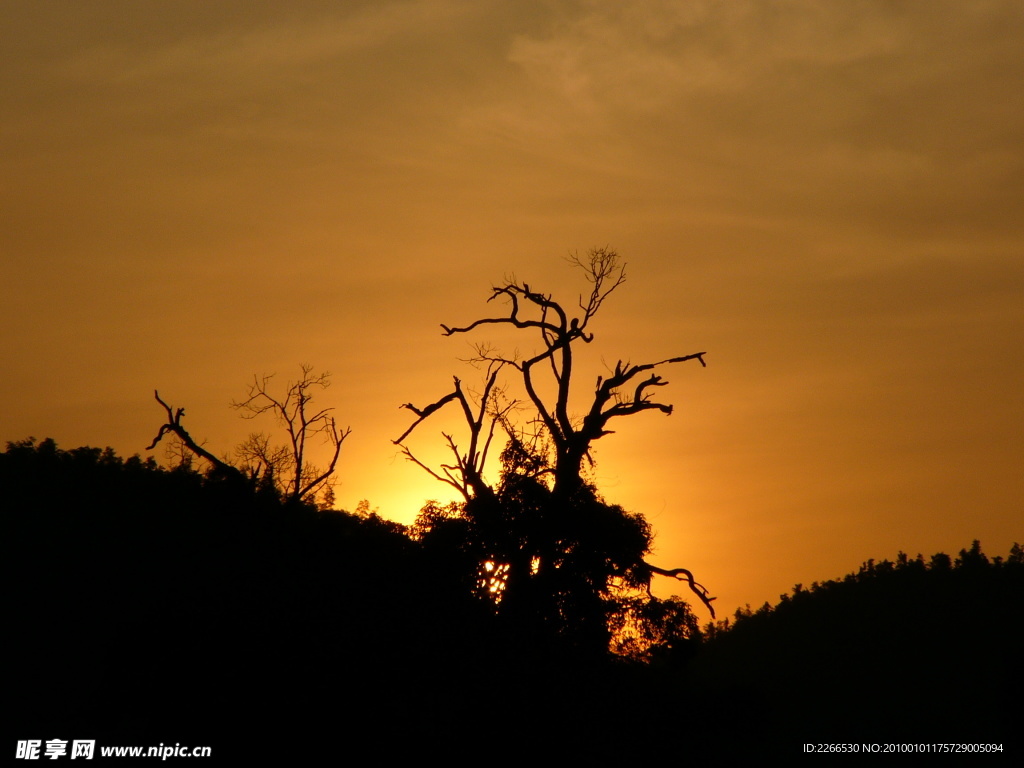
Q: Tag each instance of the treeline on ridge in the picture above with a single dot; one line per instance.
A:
(182, 605)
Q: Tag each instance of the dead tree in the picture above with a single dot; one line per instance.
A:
(295, 476)
(627, 390)
(286, 467)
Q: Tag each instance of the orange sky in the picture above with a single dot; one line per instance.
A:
(826, 197)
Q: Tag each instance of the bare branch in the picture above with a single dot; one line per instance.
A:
(469, 465)
(448, 480)
(600, 268)
(173, 426)
(422, 414)
(684, 575)
(334, 437)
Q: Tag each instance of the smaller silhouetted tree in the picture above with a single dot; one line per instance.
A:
(285, 468)
(289, 464)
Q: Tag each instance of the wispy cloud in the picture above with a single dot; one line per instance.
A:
(267, 46)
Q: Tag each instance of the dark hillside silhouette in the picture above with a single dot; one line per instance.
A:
(908, 650)
(155, 606)
(168, 606)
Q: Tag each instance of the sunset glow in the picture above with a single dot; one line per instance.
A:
(824, 197)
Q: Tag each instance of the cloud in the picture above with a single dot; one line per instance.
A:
(845, 108)
(264, 45)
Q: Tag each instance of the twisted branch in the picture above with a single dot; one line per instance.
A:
(684, 575)
(174, 426)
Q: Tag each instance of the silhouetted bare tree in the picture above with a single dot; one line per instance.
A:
(289, 464)
(549, 447)
(571, 437)
(285, 467)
